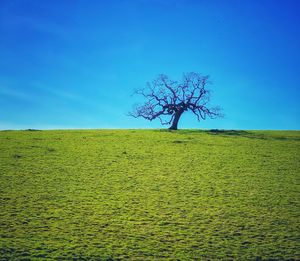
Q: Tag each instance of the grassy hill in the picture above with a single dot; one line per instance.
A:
(149, 194)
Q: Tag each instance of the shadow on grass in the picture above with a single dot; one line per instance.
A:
(250, 134)
(227, 132)
(241, 133)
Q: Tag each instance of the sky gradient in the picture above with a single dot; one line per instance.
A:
(75, 64)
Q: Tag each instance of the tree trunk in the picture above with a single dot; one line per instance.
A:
(176, 120)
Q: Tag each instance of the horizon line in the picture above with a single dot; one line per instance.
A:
(204, 129)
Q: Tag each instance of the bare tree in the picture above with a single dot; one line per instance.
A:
(167, 100)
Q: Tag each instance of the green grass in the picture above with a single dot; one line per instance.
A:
(149, 195)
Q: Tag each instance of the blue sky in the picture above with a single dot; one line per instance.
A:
(75, 64)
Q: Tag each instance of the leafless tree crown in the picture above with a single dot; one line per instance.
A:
(166, 99)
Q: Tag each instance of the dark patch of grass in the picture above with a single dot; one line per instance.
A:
(17, 156)
(50, 149)
(179, 141)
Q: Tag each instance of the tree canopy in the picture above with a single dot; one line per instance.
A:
(167, 100)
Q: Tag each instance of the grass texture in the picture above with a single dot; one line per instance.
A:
(149, 195)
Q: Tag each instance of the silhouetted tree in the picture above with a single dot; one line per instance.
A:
(167, 100)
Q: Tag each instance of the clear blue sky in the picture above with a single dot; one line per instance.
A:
(75, 64)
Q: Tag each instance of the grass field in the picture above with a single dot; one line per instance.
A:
(149, 195)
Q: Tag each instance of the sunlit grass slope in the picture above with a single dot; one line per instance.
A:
(149, 194)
